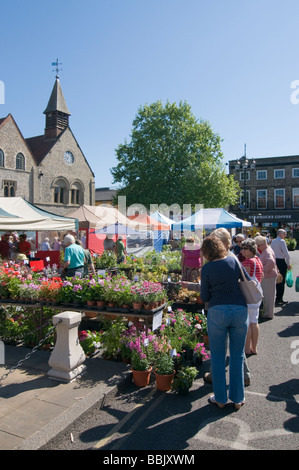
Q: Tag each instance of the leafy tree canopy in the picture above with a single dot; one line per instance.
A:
(172, 158)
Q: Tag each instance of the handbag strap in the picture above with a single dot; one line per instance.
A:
(241, 269)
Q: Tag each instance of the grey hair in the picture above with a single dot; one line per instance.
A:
(69, 239)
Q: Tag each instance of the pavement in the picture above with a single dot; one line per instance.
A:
(35, 408)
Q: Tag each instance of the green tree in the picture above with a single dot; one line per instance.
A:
(172, 158)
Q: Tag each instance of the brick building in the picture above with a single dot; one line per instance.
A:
(48, 170)
(271, 186)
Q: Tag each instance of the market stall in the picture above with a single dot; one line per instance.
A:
(209, 219)
(92, 219)
(157, 236)
(18, 215)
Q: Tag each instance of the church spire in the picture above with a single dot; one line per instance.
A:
(57, 113)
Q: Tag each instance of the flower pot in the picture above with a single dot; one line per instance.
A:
(148, 306)
(141, 378)
(137, 305)
(164, 382)
(90, 314)
(111, 304)
(101, 303)
(205, 339)
(90, 302)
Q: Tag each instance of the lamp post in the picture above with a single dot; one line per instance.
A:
(244, 165)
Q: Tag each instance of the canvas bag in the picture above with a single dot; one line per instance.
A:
(252, 290)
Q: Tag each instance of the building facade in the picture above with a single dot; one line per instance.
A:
(269, 193)
(104, 196)
(49, 170)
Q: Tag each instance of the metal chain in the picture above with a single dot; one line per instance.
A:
(4, 376)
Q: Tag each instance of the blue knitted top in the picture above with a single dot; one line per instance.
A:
(219, 282)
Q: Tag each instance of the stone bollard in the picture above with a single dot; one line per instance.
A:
(67, 356)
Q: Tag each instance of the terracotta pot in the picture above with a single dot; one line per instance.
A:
(205, 339)
(141, 378)
(111, 304)
(164, 382)
(137, 305)
(90, 314)
(101, 303)
(111, 317)
(148, 306)
(90, 302)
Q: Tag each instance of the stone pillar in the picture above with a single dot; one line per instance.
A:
(67, 356)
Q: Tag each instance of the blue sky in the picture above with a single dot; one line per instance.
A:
(233, 61)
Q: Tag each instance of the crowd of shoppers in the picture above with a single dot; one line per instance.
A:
(232, 323)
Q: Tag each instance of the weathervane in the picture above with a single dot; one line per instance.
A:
(56, 65)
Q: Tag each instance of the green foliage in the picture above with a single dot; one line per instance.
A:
(164, 364)
(111, 337)
(291, 243)
(184, 377)
(105, 261)
(173, 158)
(139, 361)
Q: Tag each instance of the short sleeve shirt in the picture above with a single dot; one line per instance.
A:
(75, 255)
(251, 262)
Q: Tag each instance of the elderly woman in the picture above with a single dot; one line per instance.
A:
(191, 261)
(268, 283)
(254, 267)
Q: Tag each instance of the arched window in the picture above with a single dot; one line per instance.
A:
(77, 193)
(60, 191)
(20, 162)
(9, 188)
(1, 158)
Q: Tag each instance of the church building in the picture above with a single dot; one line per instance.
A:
(49, 170)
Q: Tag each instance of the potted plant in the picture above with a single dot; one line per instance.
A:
(141, 368)
(183, 379)
(90, 341)
(110, 338)
(99, 292)
(164, 372)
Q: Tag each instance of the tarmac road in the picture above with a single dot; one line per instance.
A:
(149, 420)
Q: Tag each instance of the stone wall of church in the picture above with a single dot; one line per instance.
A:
(55, 171)
(12, 143)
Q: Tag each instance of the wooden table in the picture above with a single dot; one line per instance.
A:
(151, 318)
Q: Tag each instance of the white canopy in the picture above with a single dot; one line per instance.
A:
(18, 214)
(102, 216)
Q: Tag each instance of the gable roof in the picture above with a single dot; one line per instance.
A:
(40, 147)
(3, 121)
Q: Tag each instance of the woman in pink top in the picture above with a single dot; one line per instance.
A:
(267, 257)
(254, 267)
(191, 261)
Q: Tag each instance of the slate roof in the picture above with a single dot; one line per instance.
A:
(57, 101)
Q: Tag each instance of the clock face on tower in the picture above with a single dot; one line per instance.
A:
(68, 157)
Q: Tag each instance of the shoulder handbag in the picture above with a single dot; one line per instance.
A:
(252, 290)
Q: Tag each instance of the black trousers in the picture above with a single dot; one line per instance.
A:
(282, 267)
